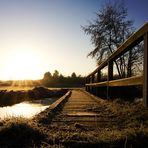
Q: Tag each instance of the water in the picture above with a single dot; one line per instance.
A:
(25, 109)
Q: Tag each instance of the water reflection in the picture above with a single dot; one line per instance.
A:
(25, 109)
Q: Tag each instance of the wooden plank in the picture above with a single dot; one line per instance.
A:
(127, 45)
(93, 78)
(145, 99)
(97, 84)
(98, 76)
(135, 80)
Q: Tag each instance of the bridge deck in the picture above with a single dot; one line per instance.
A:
(78, 109)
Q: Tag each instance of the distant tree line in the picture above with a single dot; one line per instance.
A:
(58, 80)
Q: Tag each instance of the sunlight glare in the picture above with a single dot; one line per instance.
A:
(24, 109)
(23, 65)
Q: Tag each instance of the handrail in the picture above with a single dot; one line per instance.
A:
(135, 80)
(133, 40)
(136, 38)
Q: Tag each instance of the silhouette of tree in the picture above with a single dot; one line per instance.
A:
(61, 76)
(56, 74)
(47, 79)
(73, 75)
(58, 80)
(108, 31)
(47, 76)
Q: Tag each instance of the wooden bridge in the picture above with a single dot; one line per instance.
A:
(93, 83)
(79, 110)
(80, 103)
(79, 118)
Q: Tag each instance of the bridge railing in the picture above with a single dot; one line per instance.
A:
(93, 79)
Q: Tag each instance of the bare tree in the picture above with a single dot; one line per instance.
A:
(108, 31)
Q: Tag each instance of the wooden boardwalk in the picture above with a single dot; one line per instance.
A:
(78, 110)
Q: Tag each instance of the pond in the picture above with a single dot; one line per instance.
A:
(25, 109)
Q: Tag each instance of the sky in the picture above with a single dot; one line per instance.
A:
(37, 36)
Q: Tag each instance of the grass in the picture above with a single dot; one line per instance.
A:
(129, 130)
(20, 132)
(16, 88)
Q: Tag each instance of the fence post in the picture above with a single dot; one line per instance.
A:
(98, 80)
(110, 70)
(110, 76)
(145, 70)
(86, 81)
(92, 81)
(98, 75)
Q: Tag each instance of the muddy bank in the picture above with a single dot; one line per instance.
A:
(13, 97)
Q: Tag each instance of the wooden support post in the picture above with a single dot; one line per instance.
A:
(145, 70)
(86, 81)
(110, 70)
(110, 75)
(98, 75)
(92, 81)
(92, 78)
(98, 80)
(129, 66)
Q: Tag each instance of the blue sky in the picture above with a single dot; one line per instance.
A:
(49, 31)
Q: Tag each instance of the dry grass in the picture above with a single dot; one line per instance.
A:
(20, 132)
(16, 88)
(129, 130)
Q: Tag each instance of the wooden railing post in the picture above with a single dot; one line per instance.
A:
(145, 70)
(92, 81)
(98, 75)
(110, 75)
(86, 81)
(98, 80)
(110, 70)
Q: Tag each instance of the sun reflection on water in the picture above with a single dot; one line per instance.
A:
(24, 109)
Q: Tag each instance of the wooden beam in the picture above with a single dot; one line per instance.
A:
(98, 76)
(97, 84)
(135, 80)
(92, 78)
(145, 70)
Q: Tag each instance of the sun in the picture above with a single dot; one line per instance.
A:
(23, 65)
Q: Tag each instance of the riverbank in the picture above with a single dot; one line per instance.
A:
(129, 130)
(11, 97)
